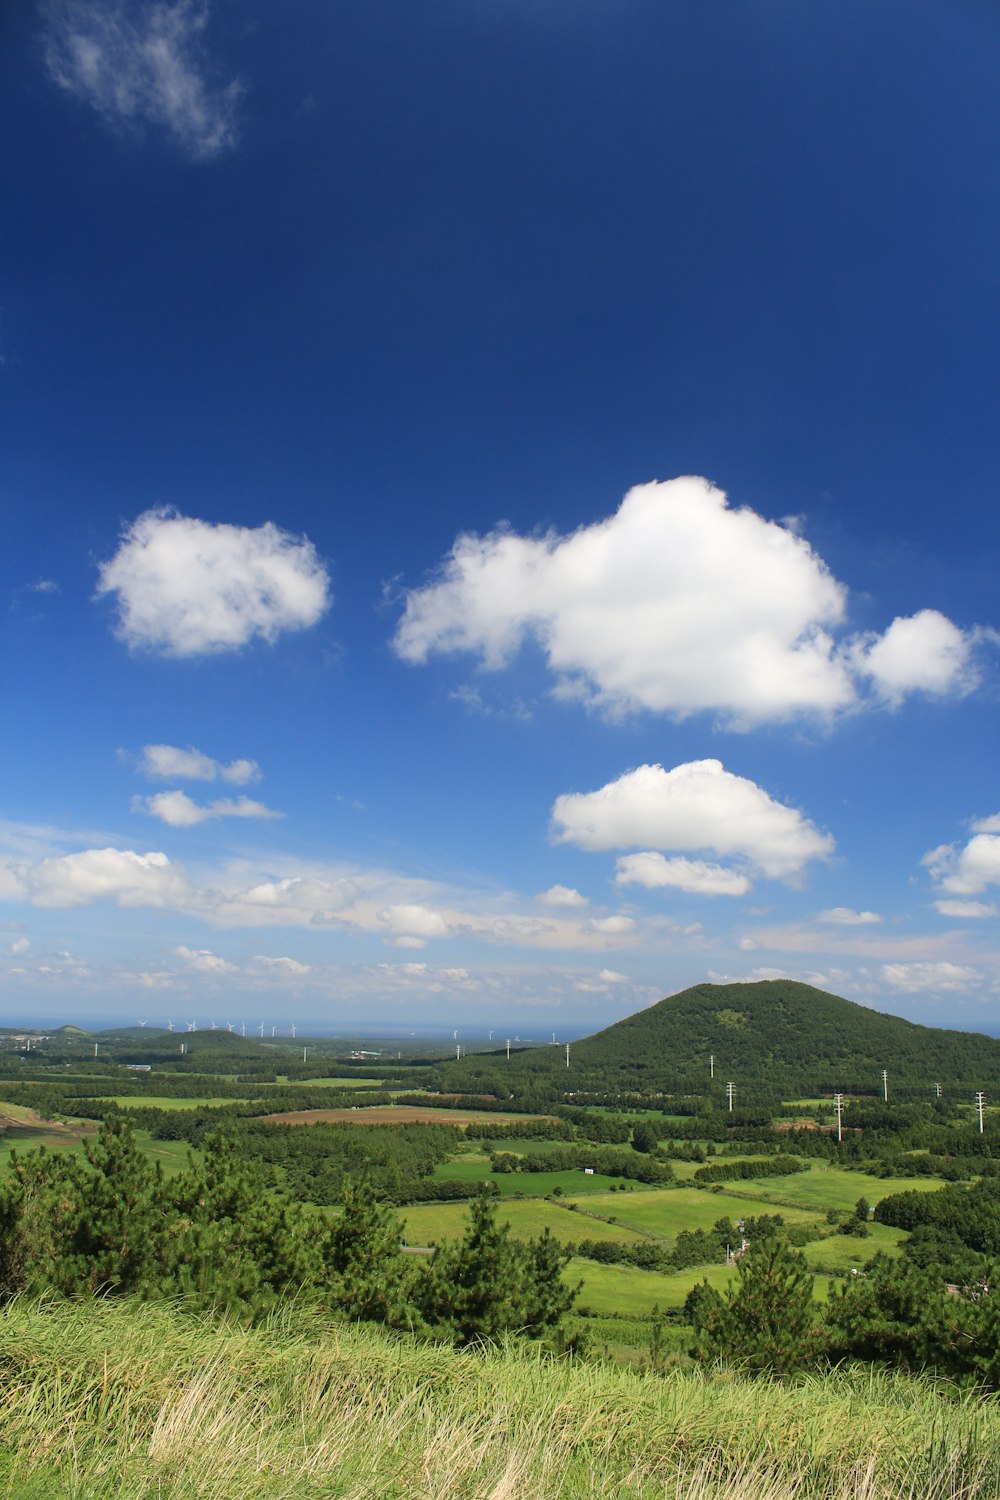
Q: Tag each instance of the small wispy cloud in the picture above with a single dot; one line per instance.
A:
(143, 65)
(174, 763)
(178, 810)
(846, 916)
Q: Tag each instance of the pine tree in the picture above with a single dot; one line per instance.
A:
(488, 1285)
(476, 1286)
(90, 1224)
(764, 1323)
(364, 1252)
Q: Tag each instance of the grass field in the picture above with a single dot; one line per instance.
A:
(433, 1223)
(171, 1155)
(573, 1183)
(824, 1187)
(140, 1402)
(633, 1293)
(840, 1252)
(164, 1101)
(666, 1211)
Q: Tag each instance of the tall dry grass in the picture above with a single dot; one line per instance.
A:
(111, 1401)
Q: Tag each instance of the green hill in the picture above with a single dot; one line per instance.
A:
(776, 1035)
(781, 1027)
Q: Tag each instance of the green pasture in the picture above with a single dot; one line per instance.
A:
(334, 1083)
(685, 1170)
(633, 1293)
(840, 1253)
(17, 1112)
(665, 1212)
(515, 1147)
(166, 1101)
(23, 1138)
(824, 1187)
(172, 1156)
(528, 1184)
(433, 1223)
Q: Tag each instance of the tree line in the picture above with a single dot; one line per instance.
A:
(217, 1236)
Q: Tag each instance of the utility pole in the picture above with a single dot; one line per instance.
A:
(980, 1100)
(458, 1051)
(711, 1066)
(885, 1086)
(937, 1090)
(730, 1090)
(838, 1100)
(567, 1054)
(508, 1049)
(304, 1051)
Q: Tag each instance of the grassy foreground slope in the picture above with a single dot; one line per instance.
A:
(108, 1400)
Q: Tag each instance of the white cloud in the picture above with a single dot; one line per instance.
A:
(171, 763)
(140, 65)
(964, 909)
(617, 926)
(923, 653)
(845, 916)
(968, 871)
(119, 875)
(189, 588)
(178, 810)
(204, 962)
(678, 603)
(694, 875)
(562, 895)
(611, 976)
(11, 885)
(413, 922)
(20, 946)
(922, 978)
(282, 965)
(698, 806)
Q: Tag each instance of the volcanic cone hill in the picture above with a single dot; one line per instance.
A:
(773, 1036)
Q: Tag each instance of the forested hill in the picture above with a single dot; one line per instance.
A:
(776, 1035)
(779, 1024)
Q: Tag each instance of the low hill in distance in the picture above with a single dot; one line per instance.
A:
(775, 1035)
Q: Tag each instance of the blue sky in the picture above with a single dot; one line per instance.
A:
(499, 508)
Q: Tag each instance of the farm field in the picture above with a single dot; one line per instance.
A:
(634, 1293)
(573, 1182)
(665, 1212)
(433, 1223)
(388, 1114)
(333, 1083)
(824, 1187)
(165, 1101)
(842, 1253)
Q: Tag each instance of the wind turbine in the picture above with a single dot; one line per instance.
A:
(213, 1026)
(243, 1028)
(293, 1031)
(260, 1028)
(170, 1025)
(229, 1025)
(143, 1023)
(192, 1026)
